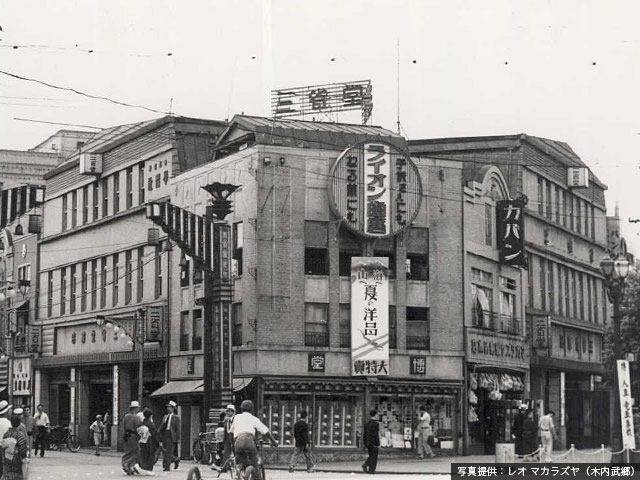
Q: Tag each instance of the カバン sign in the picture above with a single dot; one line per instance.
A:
(375, 188)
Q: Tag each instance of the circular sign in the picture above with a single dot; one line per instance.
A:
(375, 188)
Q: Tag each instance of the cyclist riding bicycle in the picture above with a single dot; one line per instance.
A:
(243, 431)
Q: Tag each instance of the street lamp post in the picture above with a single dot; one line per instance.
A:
(136, 339)
(615, 271)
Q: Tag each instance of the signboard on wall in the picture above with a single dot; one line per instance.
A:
(35, 338)
(626, 405)
(316, 362)
(21, 376)
(328, 98)
(487, 348)
(417, 365)
(375, 188)
(577, 177)
(369, 316)
(154, 320)
(510, 226)
(541, 325)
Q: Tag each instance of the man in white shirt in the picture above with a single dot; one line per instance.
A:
(242, 431)
(41, 420)
(547, 434)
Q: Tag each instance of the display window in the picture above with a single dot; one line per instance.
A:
(332, 419)
(441, 408)
(395, 415)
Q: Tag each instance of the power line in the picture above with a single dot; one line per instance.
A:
(78, 92)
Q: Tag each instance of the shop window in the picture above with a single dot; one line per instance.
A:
(238, 245)
(184, 331)
(396, 421)
(332, 423)
(316, 261)
(417, 328)
(345, 325)
(316, 327)
(198, 330)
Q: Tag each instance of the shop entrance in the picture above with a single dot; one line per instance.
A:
(586, 418)
(100, 400)
(64, 405)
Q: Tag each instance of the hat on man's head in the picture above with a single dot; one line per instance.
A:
(98, 417)
(523, 406)
(4, 407)
(231, 407)
(134, 404)
(17, 411)
(172, 404)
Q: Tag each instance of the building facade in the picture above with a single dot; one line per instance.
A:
(566, 303)
(97, 263)
(292, 310)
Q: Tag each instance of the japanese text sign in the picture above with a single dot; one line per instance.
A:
(316, 362)
(370, 316)
(418, 365)
(510, 226)
(626, 404)
(376, 189)
(541, 324)
(329, 98)
(154, 323)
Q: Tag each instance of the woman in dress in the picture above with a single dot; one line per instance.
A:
(14, 450)
(149, 440)
(131, 458)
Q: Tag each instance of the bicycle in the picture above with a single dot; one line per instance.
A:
(238, 468)
(59, 437)
(202, 449)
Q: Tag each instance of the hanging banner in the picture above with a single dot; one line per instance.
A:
(626, 405)
(510, 226)
(541, 325)
(370, 316)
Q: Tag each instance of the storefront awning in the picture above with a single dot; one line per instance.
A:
(182, 387)
(187, 387)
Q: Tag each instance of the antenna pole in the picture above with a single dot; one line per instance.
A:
(398, 83)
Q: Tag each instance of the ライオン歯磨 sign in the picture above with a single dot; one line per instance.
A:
(375, 188)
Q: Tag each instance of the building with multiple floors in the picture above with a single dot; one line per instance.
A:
(566, 303)
(97, 263)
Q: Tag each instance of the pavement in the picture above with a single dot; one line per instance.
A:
(398, 466)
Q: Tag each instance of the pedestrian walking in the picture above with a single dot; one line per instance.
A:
(371, 443)
(97, 430)
(170, 433)
(131, 457)
(27, 419)
(520, 433)
(425, 430)
(228, 423)
(14, 450)
(149, 440)
(547, 434)
(302, 444)
(108, 423)
(41, 420)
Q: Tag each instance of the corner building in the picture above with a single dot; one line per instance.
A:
(292, 307)
(566, 302)
(96, 260)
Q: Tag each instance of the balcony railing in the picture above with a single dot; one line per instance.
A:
(498, 322)
(315, 339)
(420, 342)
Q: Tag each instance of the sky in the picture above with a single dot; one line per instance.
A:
(567, 70)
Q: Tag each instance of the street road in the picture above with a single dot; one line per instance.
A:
(77, 466)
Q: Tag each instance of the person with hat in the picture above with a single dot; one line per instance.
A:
(27, 419)
(226, 441)
(131, 458)
(243, 430)
(170, 433)
(41, 420)
(519, 432)
(97, 430)
(14, 449)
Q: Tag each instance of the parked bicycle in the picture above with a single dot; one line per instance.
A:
(203, 450)
(59, 437)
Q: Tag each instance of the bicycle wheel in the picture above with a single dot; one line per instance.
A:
(194, 474)
(209, 456)
(73, 444)
(196, 451)
(251, 473)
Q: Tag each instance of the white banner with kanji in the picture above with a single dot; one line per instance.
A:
(626, 404)
(370, 316)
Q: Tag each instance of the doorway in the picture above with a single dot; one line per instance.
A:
(101, 399)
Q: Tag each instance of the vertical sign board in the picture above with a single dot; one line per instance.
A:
(115, 413)
(154, 323)
(626, 404)
(563, 401)
(541, 325)
(510, 226)
(369, 316)
(21, 376)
